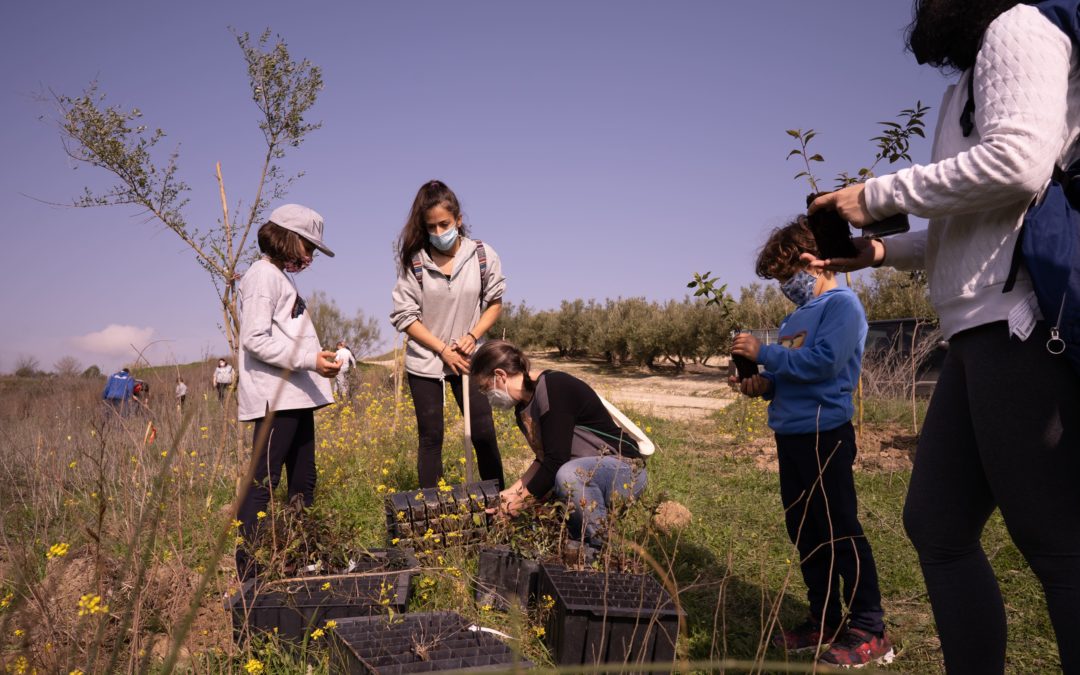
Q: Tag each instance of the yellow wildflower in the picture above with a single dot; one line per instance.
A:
(253, 667)
(325, 586)
(57, 551)
(317, 633)
(331, 624)
(260, 515)
(90, 604)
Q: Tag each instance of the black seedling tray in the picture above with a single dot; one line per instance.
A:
(379, 582)
(504, 577)
(601, 617)
(434, 518)
(414, 643)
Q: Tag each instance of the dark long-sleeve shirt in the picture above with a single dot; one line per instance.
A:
(566, 419)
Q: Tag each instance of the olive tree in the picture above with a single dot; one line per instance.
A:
(361, 332)
(146, 177)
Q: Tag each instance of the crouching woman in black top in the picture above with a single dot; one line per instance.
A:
(582, 456)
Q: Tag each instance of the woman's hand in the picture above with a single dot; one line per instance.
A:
(325, 364)
(871, 253)
(755, 385)
(746, 345)
(454, 359)
(511, 501)
(466, 344)
(850, 202)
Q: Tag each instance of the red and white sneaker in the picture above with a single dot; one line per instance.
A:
(806, 637)
(856, 648)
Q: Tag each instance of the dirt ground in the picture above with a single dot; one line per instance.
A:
(698, 392)
(695, 393)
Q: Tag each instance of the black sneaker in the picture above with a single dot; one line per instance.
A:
(806, 637)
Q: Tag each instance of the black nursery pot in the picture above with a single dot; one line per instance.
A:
(504, 577)
(379, 582)
(414, 643)
(831, 232)
(600, 617)
(435, 518)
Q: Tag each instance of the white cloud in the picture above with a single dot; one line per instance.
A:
(114, 340)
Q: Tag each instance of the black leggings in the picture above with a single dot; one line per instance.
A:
(427, 393)
(1003, 430)
(289, 445)
(823, 522)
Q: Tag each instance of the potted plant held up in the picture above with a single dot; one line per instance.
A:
(831, 231)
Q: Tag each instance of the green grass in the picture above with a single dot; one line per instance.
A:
(733, 565)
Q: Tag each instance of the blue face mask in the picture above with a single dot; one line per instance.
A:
(799, 288)
(444, 241)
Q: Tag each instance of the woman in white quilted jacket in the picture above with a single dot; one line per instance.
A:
(1003, 427)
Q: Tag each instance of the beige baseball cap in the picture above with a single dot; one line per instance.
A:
(303, 221)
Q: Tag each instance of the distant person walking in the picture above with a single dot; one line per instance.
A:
(345, 357)
(448, 294)
(223, 378)
(181, 392)
(120, 391)
(284, 372)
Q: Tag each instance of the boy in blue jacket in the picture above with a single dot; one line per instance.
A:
(808, 380)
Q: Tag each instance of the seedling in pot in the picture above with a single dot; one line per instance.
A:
(830, 231)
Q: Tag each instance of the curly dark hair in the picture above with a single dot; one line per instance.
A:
(947, 34)
(779, 257)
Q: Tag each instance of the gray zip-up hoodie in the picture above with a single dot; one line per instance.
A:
(448, 307)
(277, 342)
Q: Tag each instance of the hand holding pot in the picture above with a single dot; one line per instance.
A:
(746, 345)
(849, 202)
(871, 253)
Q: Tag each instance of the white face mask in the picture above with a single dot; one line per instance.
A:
(500, 398)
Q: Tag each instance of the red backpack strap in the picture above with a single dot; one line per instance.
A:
(481, 257)
(418, 270)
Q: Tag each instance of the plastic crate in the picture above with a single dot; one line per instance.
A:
(504, 577)
(434, 518)
(380, 581)
(599, 617)
(414, 643)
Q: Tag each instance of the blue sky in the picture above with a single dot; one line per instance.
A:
(605, 148)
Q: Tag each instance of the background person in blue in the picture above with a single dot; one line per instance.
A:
(119, 390)
(808, 379)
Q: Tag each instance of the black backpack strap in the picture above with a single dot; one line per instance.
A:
(418, 270)
(1014, 266)
(481, 257)
(967, 117)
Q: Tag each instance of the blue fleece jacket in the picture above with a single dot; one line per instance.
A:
(119, 387)
(815, 367)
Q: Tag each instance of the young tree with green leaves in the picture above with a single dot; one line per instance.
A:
(116, 140)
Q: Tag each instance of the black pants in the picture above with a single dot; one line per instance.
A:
(427, 393)
(289, 445)
(1003, 430)
(822, 521)
(222, 387)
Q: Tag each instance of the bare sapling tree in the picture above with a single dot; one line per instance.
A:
(116, 140)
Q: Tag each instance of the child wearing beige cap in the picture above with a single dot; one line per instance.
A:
(284, 372)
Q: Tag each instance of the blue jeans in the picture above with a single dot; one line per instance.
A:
(589, 484)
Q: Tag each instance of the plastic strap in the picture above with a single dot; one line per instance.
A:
(481, 257)
(967, 117)
(418, 270)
